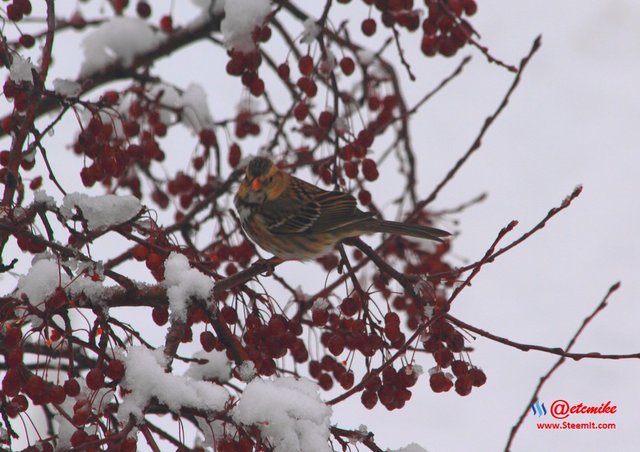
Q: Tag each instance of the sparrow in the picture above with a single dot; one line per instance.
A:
(296, 220)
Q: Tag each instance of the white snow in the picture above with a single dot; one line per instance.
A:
(241, 18)
(288, 412)
(183, 282)
(169, 97)
(67, 88)
(193, 102)
(145, 377)
(205, 5)
(93, 290)
(366, 56)
(41, 280)
(20, 70)
(247, 371)
(120, 39)
(195, 110)
(103, 211)
(41, 197)
(217, 368)
(321, 303)
(311, 31)
(45, 276)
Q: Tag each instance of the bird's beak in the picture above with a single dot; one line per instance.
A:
(256, 184)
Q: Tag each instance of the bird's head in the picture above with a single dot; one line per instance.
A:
(262, 181)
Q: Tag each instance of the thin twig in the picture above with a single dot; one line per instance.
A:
(545, 377)
(485, 127)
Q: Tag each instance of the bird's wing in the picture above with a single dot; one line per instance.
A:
(308, 208)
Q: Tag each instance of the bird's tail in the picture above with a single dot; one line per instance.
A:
(412, 230)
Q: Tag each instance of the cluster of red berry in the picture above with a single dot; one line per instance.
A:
(444, 29)
(445, 32)
(246, 65)
(392, 390)
(21, 385)
(17, 9)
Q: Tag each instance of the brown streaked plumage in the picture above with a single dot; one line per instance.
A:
(294, 219)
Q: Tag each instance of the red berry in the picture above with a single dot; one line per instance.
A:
(369, 399)
(207, 137)
(443, 357)
(110, 98)
(351, 169)
(4, 158)
(154, 261)
(368, 27)
(78, 438)
(439, 382)
(11, 382)
(20, 403)
(35, 386)
(391, 318)
(365, 138)
(140, 252)
(14, 13)
(308, 86)
(478, 377)
(300, 112)
(325, 119)
(166, 24)
(370, 169)
(58, 299)
(464, 385)
(207, 340)
(234, 155)
(143, 9)
(305, 65)
(25, 6)
(257, 87)
(7, 124)
(87, 177)
(459, 367)
(115, 370)
(336, 344)
(160, 315)
(319, 316)
(364, 197)
(325, 381)
(284, 71)
(27, 40)
(448, 47)
(392, 331)
(229, 315)
(350, 306)
(470, 7)
(346, 380)
(95, 379)
(347, 65)
(57, 394)
(264, 34)
(71, 387)
(455, 6)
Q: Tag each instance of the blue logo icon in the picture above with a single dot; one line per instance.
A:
(538, 409)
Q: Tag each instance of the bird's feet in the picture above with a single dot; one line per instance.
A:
(269, 265)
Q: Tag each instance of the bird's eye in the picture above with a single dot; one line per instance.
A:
(269, 180)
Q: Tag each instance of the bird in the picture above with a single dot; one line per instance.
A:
(296, 220)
